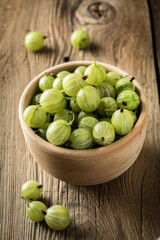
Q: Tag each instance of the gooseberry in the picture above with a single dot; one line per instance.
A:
(31, 190)
(112, 78)
(36, 99)
(72, 84)
(124, 84)
(57, 84)
(107, 106)
(134, 116)
(95, 74)
(57, 217)
(107, 119)
(34, 116)
(122, 121)
(88, 123)
(83, 114)
(34, 41)
(106, 90)
(65, 114)
(62, 74)
(42, 131)
(88, 98)
(74, 105)
(128, 100)
(46, 82)
(80, 39)
(52, 101)
(80, 138)
(103, 133)
(58, 132)
(36, 211)
(80, 70)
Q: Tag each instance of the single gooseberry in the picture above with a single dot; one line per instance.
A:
(88, 98)
(72, 84)
(95, 74)
(58, 132)
(36, 211)
(57, 217)
(107, 106)
(52, 101)
(57, 84)
(46, 82)
(62, 74)
(36, 99)
(88, 123)
(34, 116)
(34, 41)
(83, 114)
(42, 131)
(65, 114)
(103, 133)
(124, 84)
(128, 100)
(80, 39)
(106, 90)
(31, 190)
(134, 116)
(122, 121)
(80, 138)
(80, 70)
(112, 78)
(74, 105)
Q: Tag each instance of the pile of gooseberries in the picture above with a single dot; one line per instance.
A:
(84, 109)
(57, 217)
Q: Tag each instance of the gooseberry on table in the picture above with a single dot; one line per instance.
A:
(31, 190)
(34, 41)
(80, 39)
(36, 211)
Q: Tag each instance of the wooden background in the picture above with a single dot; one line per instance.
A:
(124, 33)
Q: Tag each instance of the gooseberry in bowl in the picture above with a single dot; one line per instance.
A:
(79, 159)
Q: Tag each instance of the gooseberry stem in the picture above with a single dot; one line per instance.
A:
(45, 37)
(40, 186)
(70, 123)
(44, 212)
(121, 110)
(132, 78)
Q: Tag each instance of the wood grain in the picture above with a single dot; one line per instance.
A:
(125, 208)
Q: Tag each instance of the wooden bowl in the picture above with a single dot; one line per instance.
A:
(84, 167)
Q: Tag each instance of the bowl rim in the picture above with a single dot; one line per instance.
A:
(115, 146)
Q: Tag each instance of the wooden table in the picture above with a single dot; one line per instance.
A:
(124, 33)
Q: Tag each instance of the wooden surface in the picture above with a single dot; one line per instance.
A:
(125, 208)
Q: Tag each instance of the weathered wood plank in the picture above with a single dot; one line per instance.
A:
(125, 208)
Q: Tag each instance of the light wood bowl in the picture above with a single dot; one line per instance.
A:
(84, 167)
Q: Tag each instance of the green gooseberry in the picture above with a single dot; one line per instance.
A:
(128, 99)
(34, 41)
(106, 90)
(65, 114)
(122, 121)
(31, 190)
(88, 98)
(62, 74)
(83, 114)
(36, 211)
(87, 123)
(107, 106)
(103, 133)
(74, 106)
(107, 119)
(95, 74)
(48, 118)
(80, 39)
(72, 84)
(57, 217)
(80, 70)
(46, 82)
(58, 132)
(80, 138)
(52, 101)
(34, 116)
(112, 78)
(57, 84)
(124, 84)
(42, 131)
(36, 99)
(134, 116)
